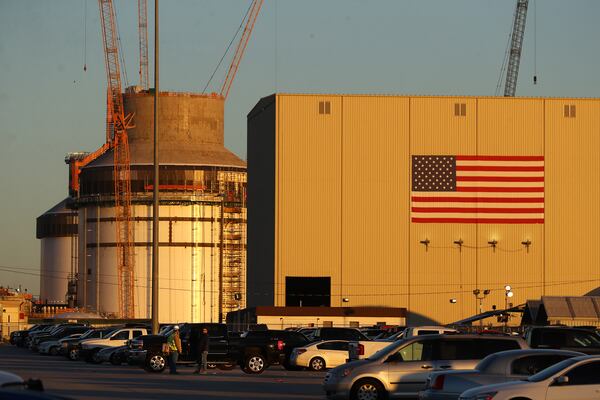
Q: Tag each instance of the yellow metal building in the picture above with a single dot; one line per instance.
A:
(330, 196)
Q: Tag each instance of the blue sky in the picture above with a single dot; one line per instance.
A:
(50, 106)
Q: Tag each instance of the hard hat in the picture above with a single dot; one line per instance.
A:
(176, 327)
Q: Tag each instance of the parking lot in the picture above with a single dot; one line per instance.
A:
(80, 380)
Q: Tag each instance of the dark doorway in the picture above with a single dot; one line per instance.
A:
(307, 292)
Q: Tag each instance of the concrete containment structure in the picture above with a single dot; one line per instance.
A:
(342, 211)
(202, 215)
(57, 231)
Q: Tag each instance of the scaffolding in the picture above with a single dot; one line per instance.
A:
(234, 259)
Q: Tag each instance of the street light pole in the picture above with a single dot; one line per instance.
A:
(156, 183)
(480, 296)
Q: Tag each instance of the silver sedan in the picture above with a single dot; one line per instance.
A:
(576, 378)
(504, 366)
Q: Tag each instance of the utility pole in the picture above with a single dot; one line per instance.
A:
(156, 183)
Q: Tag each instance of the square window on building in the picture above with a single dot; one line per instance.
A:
(324, 107)
(307, 291)
(570, 110)
(354, 324)
(460, 109)
(327, 324)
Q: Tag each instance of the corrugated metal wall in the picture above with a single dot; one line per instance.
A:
(343, 184)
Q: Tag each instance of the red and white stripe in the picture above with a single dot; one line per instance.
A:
(489, 189)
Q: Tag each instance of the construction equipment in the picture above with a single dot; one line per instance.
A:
(241, 47)
(143, 37)
(516, 45)
(120, 147)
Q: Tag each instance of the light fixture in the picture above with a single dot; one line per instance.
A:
(509, 294)
(459, 243)
(426, 243)
(476, 292)
(493, 243)
(526, 243)
(345, 300)
(486, 292)
(453, 301)
(507, 288)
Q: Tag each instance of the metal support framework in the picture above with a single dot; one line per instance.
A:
(516, 45)
(241, 47)
(143, 36)
(120, 145)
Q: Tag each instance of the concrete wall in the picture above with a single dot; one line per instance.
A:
(342, 201)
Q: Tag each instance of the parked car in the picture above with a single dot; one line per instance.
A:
(505, 366)
(116, 338)
(114, 355)
(52, 347)
(362, 349)
(558, 337)
(18, 338)
(320, 355)
(576, 378)
(401, 369)
(340, 333)
(70, 347)
(259, 349)
(58, 333)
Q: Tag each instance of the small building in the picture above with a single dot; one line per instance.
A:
(563, 310)
(292, 317)
(14, 312)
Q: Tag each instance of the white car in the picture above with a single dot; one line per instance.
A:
(320, 355)
(576, 378)
(116, 338)
(53, 346)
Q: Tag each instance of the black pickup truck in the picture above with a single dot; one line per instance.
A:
(252, 351)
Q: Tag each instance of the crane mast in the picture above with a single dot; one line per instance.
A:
(120, 145)
(143, 36)
(516, 45)
(241, 47)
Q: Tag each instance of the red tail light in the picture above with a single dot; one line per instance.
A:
(438, 383)
(280, 345)
(361, 349)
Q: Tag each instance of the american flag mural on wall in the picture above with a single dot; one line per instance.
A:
(477, 189)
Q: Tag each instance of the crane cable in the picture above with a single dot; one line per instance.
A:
(534, 42)
(84, 35)
(227, 49)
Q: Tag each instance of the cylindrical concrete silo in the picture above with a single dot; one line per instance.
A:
(202, 215)
(57, 230)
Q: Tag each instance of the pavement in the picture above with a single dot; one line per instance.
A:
(82, 381)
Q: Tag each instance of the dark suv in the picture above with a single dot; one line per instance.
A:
(558, 337)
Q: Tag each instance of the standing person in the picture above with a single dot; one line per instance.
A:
(174, 342)
(202, 352)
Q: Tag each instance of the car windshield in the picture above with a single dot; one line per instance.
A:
(395, 336)
(87, 333)
(548, 372)
(384, 352)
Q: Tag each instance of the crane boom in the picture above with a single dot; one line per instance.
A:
(143, 36)
(120, 145)
(516, 45)
(241, 47)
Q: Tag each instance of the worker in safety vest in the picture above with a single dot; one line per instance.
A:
(174, 342)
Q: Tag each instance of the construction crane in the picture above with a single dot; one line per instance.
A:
(143, 37)
(120, 147)
(516, 45)
(241, 47)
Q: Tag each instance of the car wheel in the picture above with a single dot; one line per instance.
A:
(225, 367)
(53, 351)
(156, 363)
(94, 358)
(211, 365)
(73, 354)
(317, 364)
(368, 389)
(115, 359)
(255, 364)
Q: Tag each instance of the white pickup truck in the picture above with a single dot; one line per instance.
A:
(362, 349)
(119, 337)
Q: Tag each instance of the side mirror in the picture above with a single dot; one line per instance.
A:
(562, 380)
